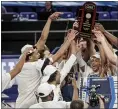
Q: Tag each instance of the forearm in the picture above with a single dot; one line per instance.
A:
(92, 50)
(61, 51)
(109, 54)
(109, 45)
(101, 104)
(102, 55)
(75, 94)
(67, 67)
(44, 35)
(18, 67)
(81, 62)
(112, 38)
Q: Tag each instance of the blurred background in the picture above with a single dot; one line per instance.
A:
(22, 23)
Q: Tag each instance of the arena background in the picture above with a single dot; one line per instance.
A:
(16, 34)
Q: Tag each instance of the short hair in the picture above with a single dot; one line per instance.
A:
(52, 77)
(77, 104)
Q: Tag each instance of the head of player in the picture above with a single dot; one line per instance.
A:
(45, 92)
(32, 55)
(95, 62)
(51, 75)
(77, 104)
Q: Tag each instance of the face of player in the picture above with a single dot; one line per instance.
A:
(58, 76)
(48, 5)
(69, 78)
(35, 56)
(95, 64)
(83, 43)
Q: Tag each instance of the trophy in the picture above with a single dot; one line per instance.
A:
(87, 19)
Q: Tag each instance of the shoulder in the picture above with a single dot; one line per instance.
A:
(36, 106)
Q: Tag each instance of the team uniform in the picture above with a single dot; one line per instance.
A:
(64, 71)
(52, 104)
(45, 89)
(28, 80)
(6, 79)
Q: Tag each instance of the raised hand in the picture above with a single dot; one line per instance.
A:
(75, 25)
(74, 83)
(55, 15)
(99, 36)
(72, 34)
(99, 27)
(28, 50)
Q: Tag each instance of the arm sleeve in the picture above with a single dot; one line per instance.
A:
(67, 67)
(6, 78)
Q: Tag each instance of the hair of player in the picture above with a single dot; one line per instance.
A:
(77, 104)
(52, 77)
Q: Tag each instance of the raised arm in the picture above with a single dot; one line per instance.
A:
(44, 35)
(70, 62)
(112, 38)
(102, 55)
(71, 35)
(107, 50)
(75, 90)
(19, 65)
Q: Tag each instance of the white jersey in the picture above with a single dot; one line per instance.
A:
(64, 72)
(57, 93)
(52, 104)
(28, 81)
(6, 78)
(88, 70)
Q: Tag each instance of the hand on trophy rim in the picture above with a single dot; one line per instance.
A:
(99, 27)
(99, 36)
(72, 34)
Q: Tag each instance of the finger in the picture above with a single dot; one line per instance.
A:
(59, 13)
(77, 42)
(94, 39)
(97, 24)
(77, 33)
(94, 31)
(69, 30)
(76, 20)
